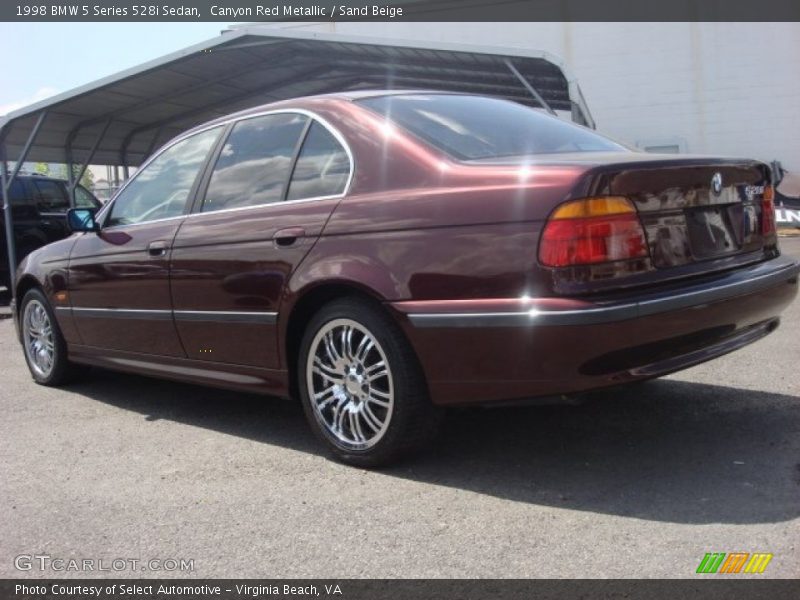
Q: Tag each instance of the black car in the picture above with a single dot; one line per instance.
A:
(38, 206)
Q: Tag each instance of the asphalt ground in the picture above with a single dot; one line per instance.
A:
(629, 483)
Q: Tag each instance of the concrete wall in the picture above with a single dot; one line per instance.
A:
(709, 88)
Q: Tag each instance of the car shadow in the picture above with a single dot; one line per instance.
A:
(667, 450)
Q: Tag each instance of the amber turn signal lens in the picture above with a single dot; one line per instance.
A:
(594, 207)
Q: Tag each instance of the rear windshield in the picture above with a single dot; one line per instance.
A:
(476, 127)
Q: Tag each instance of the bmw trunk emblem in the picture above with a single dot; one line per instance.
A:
(716, 184)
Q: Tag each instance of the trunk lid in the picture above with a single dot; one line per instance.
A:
(695, 213)
(698, 213)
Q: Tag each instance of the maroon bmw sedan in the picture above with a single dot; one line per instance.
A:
(381, 255)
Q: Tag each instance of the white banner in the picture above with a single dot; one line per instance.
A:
(787, 216)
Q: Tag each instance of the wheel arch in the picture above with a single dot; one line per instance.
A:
(24, 285)
(307, 303)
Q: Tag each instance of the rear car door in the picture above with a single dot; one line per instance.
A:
(119, 276)
(275, 182)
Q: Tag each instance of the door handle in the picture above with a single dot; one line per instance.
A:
(288, 236)
(157, 248)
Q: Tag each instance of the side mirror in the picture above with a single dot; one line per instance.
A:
(81, 219)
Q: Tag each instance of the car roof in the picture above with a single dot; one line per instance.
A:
(303, 102)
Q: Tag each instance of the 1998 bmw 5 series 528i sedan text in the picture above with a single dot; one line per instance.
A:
(382, 255)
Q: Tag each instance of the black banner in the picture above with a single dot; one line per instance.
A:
(398, 10)
(704, 587)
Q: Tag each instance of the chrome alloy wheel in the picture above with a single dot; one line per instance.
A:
(38, 338)
(350, 384)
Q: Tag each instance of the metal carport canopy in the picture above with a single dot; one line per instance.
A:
(121, 119)
(142, 107)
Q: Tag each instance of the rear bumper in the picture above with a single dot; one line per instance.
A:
(503, 349)
(524, 313)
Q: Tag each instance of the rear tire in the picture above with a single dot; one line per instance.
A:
(362, 389)
(42, 342)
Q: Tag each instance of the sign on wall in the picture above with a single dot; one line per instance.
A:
(787, 216)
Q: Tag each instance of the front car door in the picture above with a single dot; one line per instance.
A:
(119, 277)
(275, 182)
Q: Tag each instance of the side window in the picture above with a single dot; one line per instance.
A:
(322, 167)
(50, 196)
(161, 189)
(84, 199)
(255, 161)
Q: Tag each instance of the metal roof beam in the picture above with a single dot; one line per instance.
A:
(526, 84)
(152, 145)
(76, 179)
(26, 148)
(579, 102)
(243, 45)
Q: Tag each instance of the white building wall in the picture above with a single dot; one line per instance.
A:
(712, 88)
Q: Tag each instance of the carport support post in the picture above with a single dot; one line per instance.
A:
(69, 182)
(577, 115)
(7, 183)
(70, 171)
(24, 155)
(123, 156)
(9, 226)
(529, 87)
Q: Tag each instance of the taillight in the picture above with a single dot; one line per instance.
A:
(591, 231)
(768, 212)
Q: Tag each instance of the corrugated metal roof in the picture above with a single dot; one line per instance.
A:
(248, 66)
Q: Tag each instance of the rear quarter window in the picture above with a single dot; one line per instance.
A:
(322, 166)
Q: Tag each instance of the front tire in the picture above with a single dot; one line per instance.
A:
(42, 341)
(362, 389)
